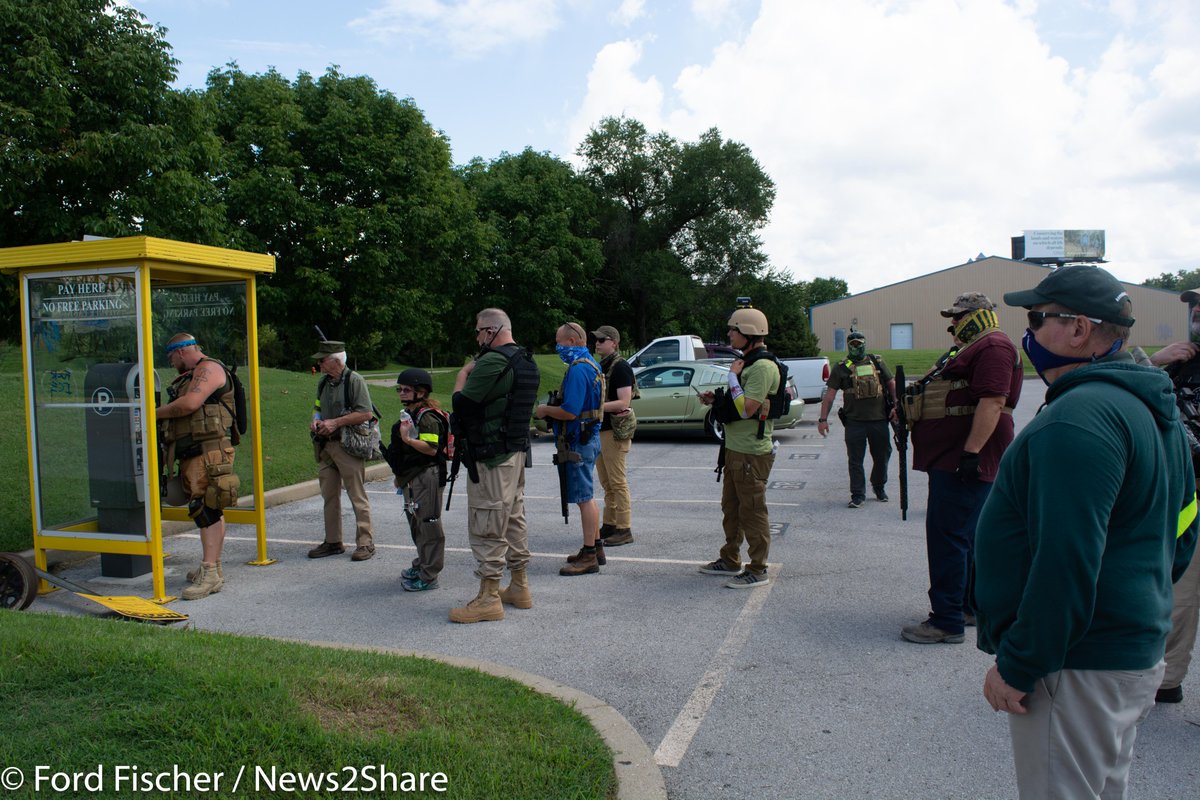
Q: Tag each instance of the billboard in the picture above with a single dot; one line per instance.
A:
(1065, 245)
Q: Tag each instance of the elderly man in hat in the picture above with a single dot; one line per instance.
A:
(616, 436)
(963, 428)
(1092, 517)
(868, 389)
(342, 399)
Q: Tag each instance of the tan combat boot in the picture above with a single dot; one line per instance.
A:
(486, 607)
(517, 594)
(194, 575)
(207, 582)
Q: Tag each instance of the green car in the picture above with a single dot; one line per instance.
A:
(670, 398)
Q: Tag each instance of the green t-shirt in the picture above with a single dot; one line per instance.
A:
(483, 387)
(759, 381)
(333, 395)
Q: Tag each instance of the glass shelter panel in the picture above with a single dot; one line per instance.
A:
(215, 314)
(85, 385)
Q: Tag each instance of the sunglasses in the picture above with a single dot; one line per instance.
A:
(1036, 318)
(601, 339)
(404, 389)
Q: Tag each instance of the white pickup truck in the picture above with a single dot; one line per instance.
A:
(809, 374)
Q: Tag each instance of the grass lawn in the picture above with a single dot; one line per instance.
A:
(287, 400)
(78, 693)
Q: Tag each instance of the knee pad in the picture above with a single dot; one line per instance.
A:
(201, 514)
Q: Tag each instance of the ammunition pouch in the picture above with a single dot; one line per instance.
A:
(223, 483)
(927, 401)
(623, 425)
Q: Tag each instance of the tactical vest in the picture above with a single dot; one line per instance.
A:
(207, 428)
(404, 460)
(504, 428)
(864, 379)
(927, 399)
(589, 420)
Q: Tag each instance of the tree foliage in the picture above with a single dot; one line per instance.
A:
(353, 192)
(378, 239)
(1181, 281)
(85, 106)
(542, 251)
(680, 222)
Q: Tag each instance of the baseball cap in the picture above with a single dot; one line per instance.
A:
(1190, 296)
(1082, 288)
(607, 332)
(968, 301)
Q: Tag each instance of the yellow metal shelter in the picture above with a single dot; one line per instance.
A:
(96, 316)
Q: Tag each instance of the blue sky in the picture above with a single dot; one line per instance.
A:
(903, 136)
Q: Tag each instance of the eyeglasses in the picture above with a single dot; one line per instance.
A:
(1036, 318)
(600, 339)
(404, 389)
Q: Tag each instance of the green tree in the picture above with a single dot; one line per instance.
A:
(679, 222)
(85, 113)
(354, 193)
(542, 254)
(1181, 281)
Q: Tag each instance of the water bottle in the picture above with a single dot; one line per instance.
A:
(406, 417)
(774, 446)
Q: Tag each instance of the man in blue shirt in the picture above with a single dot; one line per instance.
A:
(577, 426)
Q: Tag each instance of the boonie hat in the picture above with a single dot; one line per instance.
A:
(607, 332)
(968, 301)
(1083, 288)
(328, 348)
(1190, 296)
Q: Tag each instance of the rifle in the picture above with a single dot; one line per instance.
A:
(461, 456)
(562, 454)
(900, 434)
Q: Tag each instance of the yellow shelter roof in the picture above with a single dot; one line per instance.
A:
(100, 252)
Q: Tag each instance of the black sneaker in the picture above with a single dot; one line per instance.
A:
(747, 580)
(855, 502)
(881, 495)
(410, 574)
(418, 585)
(719, 567)
(1169, 695)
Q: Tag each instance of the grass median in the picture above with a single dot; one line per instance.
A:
(80, 694)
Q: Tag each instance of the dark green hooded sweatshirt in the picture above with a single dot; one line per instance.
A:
(1091, 518)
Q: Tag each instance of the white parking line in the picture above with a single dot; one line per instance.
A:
(675, 744)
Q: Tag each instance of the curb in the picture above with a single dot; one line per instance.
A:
(638, 777)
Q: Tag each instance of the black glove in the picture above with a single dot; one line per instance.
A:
(968, 467)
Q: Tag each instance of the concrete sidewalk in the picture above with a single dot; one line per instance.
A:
(800, 689)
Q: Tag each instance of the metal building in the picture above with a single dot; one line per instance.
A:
(904, 315)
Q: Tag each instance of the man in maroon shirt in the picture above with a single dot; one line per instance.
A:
(963, 428)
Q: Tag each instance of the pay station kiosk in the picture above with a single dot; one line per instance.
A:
(96, 316)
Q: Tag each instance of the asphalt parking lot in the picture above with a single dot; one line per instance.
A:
(802, 689)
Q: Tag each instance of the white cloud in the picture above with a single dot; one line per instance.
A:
(470, 28)
(629, 12)
(907, 136)
(613, 91)
(713, 12)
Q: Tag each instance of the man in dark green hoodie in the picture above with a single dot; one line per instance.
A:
(1091, 518)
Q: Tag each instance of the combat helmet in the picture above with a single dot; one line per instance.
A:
(415, 377)
(747, 320)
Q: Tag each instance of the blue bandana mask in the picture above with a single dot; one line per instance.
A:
(569, 353)
(1042, 359)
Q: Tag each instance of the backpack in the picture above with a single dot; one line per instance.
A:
(780, 401)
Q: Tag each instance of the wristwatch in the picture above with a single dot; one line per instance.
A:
(823, 419)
